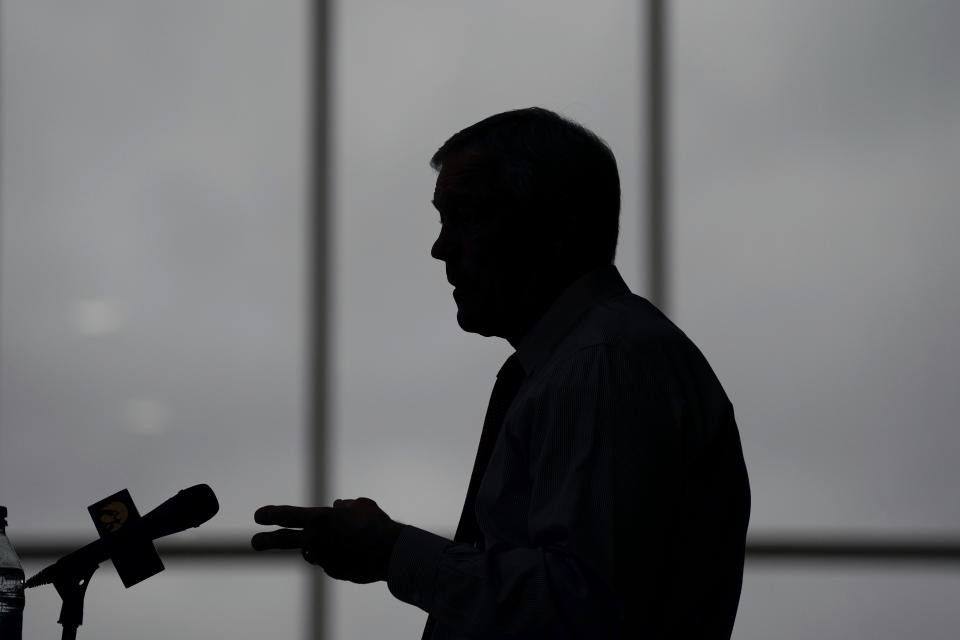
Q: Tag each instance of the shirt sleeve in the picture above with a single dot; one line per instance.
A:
(564, 584)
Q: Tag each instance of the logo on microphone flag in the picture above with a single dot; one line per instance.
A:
(113, 515)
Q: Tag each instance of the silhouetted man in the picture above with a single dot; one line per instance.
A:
(609, 497)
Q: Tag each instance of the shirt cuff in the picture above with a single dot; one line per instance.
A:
(412, 572)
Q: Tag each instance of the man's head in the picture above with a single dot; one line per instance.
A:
(528, 202)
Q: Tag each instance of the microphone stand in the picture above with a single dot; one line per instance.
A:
(72, 588)
(71, 574)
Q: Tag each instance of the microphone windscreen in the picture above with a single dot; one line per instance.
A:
(189, 508)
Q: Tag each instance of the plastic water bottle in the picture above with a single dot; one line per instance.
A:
(11, 586)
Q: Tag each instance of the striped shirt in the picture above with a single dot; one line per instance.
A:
(616, 500)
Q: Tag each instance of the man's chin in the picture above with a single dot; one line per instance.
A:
(470, 323)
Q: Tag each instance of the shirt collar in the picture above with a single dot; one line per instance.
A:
(589, 289)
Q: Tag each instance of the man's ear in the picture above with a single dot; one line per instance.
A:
(559, 245)
(565, 236)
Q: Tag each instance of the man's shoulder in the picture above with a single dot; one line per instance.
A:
(629, 334)
(628, 323)
(628, 341)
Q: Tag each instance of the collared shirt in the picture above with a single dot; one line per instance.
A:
(616, 500)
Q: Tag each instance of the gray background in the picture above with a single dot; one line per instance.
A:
(152, 219)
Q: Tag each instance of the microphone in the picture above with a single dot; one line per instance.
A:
(189, 508)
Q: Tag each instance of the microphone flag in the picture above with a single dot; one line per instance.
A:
(137, 560)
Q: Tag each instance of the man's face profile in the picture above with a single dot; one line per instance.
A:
(486, 257)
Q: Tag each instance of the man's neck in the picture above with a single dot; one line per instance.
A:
(536, 305)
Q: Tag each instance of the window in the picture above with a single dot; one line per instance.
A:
(155, 216)
(153, 203)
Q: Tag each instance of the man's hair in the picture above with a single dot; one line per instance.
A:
(553, 169)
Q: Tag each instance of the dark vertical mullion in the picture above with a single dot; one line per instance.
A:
(657, 148)
(2, 58)
(317, 325)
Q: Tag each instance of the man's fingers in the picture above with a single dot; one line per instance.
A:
(279, 539)
(304, 525)
(282, 515)
(288, 516)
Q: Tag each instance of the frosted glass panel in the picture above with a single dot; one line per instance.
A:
(195, 600)
(815, 200)
(847, 601)
(411, 388)
(151, 311)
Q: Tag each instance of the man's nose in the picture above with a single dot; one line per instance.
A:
(442, 248)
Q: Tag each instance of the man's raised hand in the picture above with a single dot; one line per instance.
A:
(351, 541)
